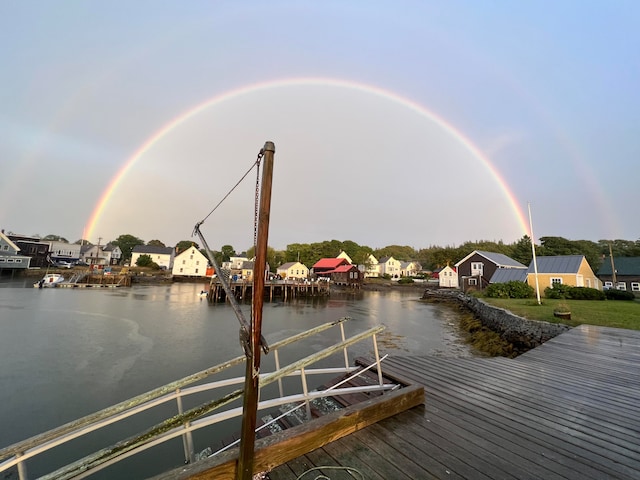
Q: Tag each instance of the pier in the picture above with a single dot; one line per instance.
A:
(275, 289)
(568, 409)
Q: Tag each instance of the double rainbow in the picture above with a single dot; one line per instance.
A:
(328, 82)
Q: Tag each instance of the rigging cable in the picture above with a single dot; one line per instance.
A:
(245, 326)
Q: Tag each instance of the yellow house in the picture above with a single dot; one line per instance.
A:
(246, 271)
(573, 270)
(292, 270)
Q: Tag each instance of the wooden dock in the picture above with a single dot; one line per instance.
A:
(569, 409)
(278, 289)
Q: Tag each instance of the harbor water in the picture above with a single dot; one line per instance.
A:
(66, 353)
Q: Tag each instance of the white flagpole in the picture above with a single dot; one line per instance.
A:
(533, 249)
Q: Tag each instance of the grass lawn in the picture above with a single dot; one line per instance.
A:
(607, 313)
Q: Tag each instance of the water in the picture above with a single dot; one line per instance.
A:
(65, 353)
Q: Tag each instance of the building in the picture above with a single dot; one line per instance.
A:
(162, 256)
(293, 270)
(389, 266)
(324, 266)
(10, 257)
(627, 271)
(476, 269)
(190, 263)
(410, 269)
(371, 267)
(448, 277)
(33, 248)
(63, 251)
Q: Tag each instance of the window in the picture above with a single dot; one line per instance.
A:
(635, 287)
(473, 281)
(622, 286)
(190, 257)
(180, 269)
(196, 270)
(183, 262)
(556, 281)
(5, 247)
(197, 262)
(608, 285)
(18, 260)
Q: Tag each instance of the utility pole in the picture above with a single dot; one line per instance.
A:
(251, 384)
(613, 269)
(533, 250)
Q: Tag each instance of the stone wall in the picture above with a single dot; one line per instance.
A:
(524, 334)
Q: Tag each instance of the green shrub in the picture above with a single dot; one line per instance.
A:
(405, 280)
(512, 289)
(144, 261)
(586, 293)
(559, 290)
(618, 295)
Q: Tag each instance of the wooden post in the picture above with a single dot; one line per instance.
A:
(251, 384)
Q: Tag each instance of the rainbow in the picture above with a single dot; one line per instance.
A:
(304, 81)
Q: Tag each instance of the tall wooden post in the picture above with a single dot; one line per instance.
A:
(251, 383)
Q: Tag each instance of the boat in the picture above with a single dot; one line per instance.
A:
(50, 280)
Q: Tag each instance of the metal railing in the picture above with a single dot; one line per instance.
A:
(187, 421)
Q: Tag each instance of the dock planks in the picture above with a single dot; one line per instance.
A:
(569, 409)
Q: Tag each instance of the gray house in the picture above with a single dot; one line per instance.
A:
(476, 269)
(627, 274)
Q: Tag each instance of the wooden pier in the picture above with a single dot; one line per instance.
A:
(98, 281)
(569, 409)
(278, 289)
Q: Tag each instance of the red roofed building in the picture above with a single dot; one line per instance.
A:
(339, 270)
(325, 265)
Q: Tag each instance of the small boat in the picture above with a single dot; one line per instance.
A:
(49, 280)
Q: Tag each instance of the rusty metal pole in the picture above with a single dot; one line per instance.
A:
(251, 383)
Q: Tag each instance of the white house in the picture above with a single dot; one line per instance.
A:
(371, 267)
(190, 263)
(344, 255)
(389, 266)
(163, 256)
(95, 255)
(448, 277)
(410, 269)
(69, 252)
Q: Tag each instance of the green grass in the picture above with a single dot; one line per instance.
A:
(607, 313)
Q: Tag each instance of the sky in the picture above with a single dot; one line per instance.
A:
(395, 123)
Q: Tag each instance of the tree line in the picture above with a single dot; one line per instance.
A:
(430, 258)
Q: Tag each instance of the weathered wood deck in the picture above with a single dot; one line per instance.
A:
(569, 409)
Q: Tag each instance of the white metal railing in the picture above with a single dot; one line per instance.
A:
(185, 422)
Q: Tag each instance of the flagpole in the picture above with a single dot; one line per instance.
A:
(533, 250)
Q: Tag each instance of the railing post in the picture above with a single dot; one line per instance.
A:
(275, 352)
(22, 468)
(378, 366)
(346, 355)
(305, 391)
(187, 438)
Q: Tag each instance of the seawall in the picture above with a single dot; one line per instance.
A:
(523, 333)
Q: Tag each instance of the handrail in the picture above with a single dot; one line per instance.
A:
(183, 423)
(151, 394)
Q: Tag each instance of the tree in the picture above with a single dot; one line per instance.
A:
(227, 252)
(126, 243)
(82, 241)
(144, 261)
(183, 245)
(156, 243)
(521, 251)
(54, 238)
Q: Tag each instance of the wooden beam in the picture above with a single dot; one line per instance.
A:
(284, 446)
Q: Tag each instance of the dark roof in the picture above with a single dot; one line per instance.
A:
(499, 259)
(286, 266)
(146, 249)
(557, 264)
(504, 275)
(623, 265)
(247, 265)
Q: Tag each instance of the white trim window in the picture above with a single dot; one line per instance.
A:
(608, 285)
(556, 281)
(622, 286)
(635, 286)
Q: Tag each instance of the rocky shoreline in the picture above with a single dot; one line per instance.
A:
(523, 334)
